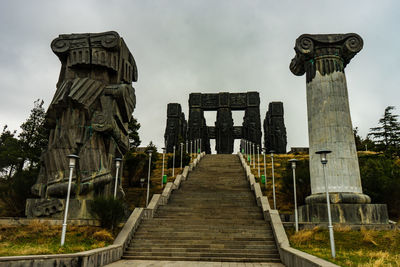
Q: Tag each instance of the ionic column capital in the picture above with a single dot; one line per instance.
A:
(325, 53)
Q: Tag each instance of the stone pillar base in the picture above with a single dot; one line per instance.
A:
(345, 213)
(342, 197)
(54, 208)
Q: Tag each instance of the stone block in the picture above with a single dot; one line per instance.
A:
(252, 181)
(177, 181)
(258, 193)
(166, 193)
(185, 172)
(345, 213)
(54, 208)
(152, 207)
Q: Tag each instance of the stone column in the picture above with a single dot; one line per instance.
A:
(323, 58)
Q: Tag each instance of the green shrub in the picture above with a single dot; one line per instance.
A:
(136, 166)
(109, 211)
(185, 160)
(303, 187)
(15, 191)
(380, 177)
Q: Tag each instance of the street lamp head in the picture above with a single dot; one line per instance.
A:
(293, 161)
(163, 148)
(272, 152)
(323, 153)
(72, 160)
(149, 152)
(118, 162)
(264, 149)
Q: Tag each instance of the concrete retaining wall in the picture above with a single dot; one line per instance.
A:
(109, 254)
(289, 256)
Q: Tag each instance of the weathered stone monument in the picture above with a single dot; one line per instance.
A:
(175, 132)
(274, 129)
(89, 117)
(224, 131)
(323, 57)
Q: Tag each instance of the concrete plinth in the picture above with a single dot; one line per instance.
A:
(54, 208)
(345, 213)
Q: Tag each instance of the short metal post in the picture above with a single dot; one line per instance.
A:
(72, 162)
(187, 147)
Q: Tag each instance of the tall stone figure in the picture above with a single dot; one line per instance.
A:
(89, 117)
(323, 57)
(274, 129)
(175, 131)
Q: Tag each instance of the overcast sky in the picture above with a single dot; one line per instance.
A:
(204, 46)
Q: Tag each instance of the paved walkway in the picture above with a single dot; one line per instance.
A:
(149, 263)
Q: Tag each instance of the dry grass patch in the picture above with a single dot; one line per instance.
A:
(40, 238)
(353, 248)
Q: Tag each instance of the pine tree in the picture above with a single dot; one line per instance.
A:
(134, 139)
(34, 135)
(387, 135)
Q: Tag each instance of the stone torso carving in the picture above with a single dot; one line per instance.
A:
(89, 114)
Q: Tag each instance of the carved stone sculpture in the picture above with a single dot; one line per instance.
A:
(274, 129)
(175, 131)
(88, 116)
(224, 103)
(224, 131)
(323, 57)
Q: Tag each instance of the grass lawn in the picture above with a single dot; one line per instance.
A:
(38, 238)
(353, 248)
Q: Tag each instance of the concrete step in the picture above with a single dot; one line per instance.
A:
(142, 244)
(203, 250)
(223, 238)
(201, 258)
(224, 254)
(212, 217)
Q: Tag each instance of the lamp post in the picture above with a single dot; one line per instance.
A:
(117, 166)
(187, 146)
(254, 155)
(148, 179)
(162, 170)
(265, 167)
(258, 160)
(296, 218)
(249, 156)
(191, 145)
(200, 146)
(247, 150)
(273, 177)
(324, 160)
(173, 163)
(72, 162)
(181, 154)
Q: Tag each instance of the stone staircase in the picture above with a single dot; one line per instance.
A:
(212, 217)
